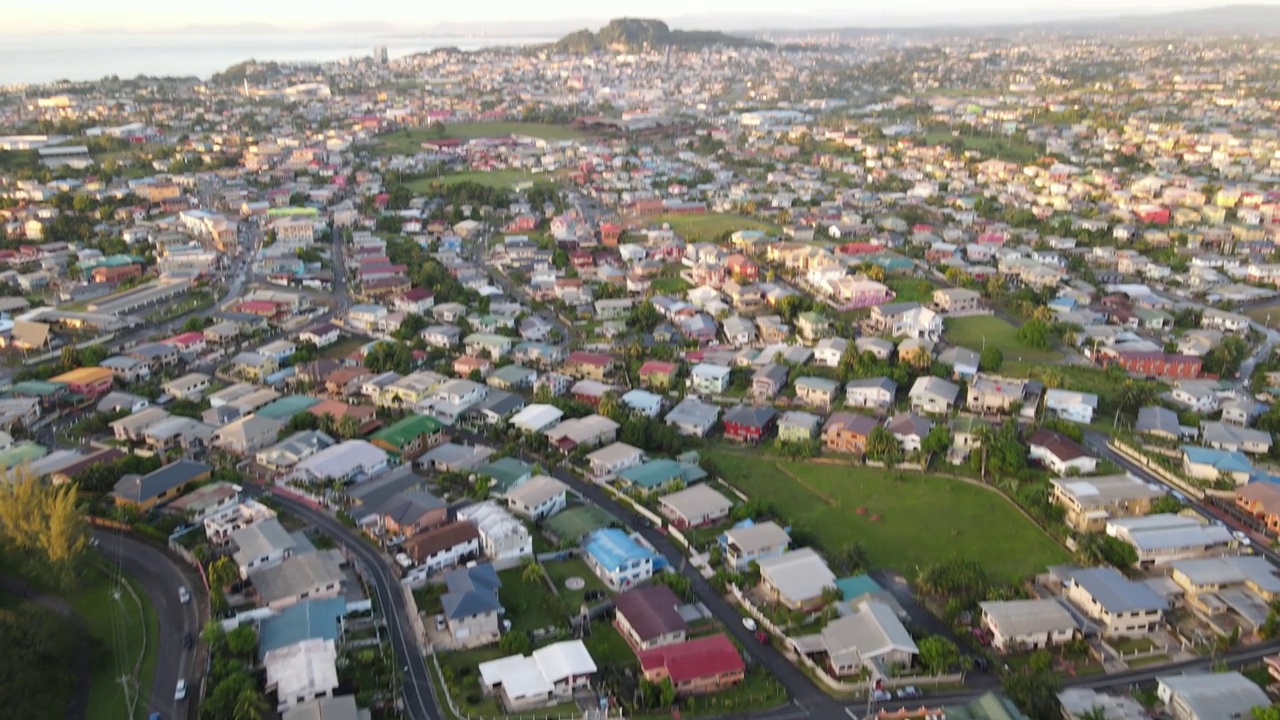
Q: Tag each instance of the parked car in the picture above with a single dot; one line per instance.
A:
(909, 692)
(749, 624)
(439, 622)
(881, 695)
(184, 595)
(181, 692)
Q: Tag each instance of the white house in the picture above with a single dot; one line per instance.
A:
(643, 402)
(261, 545)
(611, 459)
(829, 351)
(504, 539)
(538, 497)
(1072, 406)
(708, 379)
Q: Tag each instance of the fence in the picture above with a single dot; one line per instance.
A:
(1154, 468)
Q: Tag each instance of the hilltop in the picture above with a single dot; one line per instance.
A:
(633, 34)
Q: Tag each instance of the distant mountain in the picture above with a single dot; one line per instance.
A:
(634, 34)
(1222, 20)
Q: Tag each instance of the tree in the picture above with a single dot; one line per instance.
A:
(530, 571)
(1225, 358)
(242, 641)
(991, 359)
(223, 573)
(42, 527)
(883, 446)
(1034, 691)
(515, 643)
(1166, 504)
(938, 441)
(250, 705)
(1035, 333)
(937, 654)
(1266, 712)
(37, 665)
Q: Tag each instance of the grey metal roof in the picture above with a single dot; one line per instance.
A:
(471, 591)
(1116, 593)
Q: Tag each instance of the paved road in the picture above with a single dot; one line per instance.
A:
(159, 575)
(419, 694)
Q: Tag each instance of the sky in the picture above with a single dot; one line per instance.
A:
(152, 15)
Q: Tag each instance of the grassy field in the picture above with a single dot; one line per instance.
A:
(525, 602)
(908, 289)
(343, 348)
(576, 567)
(1268, 315)
(408, 142)
(922, 519)
(501, 179)
(710, 226)
(671, 285)
(465, 665)
(139, 634)
(1000, 147)
(969, 331)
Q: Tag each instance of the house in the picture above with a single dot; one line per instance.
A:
(871, 638)
(1223, 321)
(817, 392)
(708, 379)
(957, 301)
(301, 673)
(1201, 463)
(1261, 501)
(909, 430)
(754, 542)
(933, 395)
(812, 325)
(504, 539)
(127, 369)
(1197, 395)
(471, 605)
(876, 393)
(703, 665)
(1159, 421)
(619, 560)
(588, 365)
(322, 335)
(161, 485)
(642, 402)
(694, 507)
(796, 579)
(444, 337)
(648, 617)
(995, 394)
(261, 545)
(692, 417)
(1091, 503)
(658, 375)
(846, 432)
(444, 547)
(1122, 607)
(452, 457)
(407, 513)
(797, 426)
(88, 382)
(1060, 453)
(1163, 538)
(1022, 625)
(610, 460)
(253, 366)
(1240, 412)
(769, 381)
(352, 461)
(191, 385)
(1072, 406)
(964, 362)
(550, 675)
(247, 434)
(657, 475)
(410, 437)
(880, 348)
(505, 474)
(589, 431)
(536, 418)
(537, 498)
(1232, 438)
(746, 424)
(1210, 696)
(1152, 363)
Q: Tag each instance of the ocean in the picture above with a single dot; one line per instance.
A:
(36, 59)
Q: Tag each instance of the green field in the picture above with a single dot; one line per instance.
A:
(525, 602)
(575, 567)
(969, 332)
(1268, 315)
(922, 519)
(502, 179)
(121, 632)
(409, 141)
(671, 285)
(711, 226)
(909, 289)
(1010, 149)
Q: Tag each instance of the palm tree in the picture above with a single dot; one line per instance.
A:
(250, 705)
(530, 571)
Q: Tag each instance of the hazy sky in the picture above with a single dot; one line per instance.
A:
(76, 15)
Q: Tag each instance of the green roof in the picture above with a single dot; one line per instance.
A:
(26, 452)
(988, 707)
(656, 473)
(852, 588)
(505, 473)
(574, 523)
(407, 430)
(286, 407)
(37, 387)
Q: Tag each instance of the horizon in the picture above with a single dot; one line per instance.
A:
(745, 15)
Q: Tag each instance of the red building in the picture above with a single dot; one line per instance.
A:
(188, 342)
(261, 308)
(116, 274)
(1155, 364)
(706, 664)
(1153, 214)
(746, 424)
(610, 233)
(743, 267)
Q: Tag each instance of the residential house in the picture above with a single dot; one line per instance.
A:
(444, 547)
(817, 392)
(471, 605)
(642, 402)
(964, 363)
(1060, 453)
(247, 434)
(405, 514)
(648, 617)
(589, 431)
(933, 395)
(909, 430)
(704, 665)
(754, 542)
(1261, 501)
(1210, 696)
(1070, 405)
(658, 375)
(1201, 463)
(870, 639)
(708, 379)
(797, 579)
(846, 432)
(769, 381)
(1122, 607)
(957, 301)
(830, 351)
(410, 437)
(588, 365)
(877, 393)
(619, 560)
(1232, 438)
(1022, 625)
(694, 507)
(261, 545)
(1163, 538)
(692, 417)
(159, 486)
(612, 459)
(549, 676)
(537, 498)
(747, 424)
(504, 539)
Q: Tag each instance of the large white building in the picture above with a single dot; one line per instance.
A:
(504, 539)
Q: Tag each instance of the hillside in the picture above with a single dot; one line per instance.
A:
(634, 34)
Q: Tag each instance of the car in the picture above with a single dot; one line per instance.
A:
(881, 695)
(93, 542)
(188, 641)
(184, 595)
(909, 692)
(439, 622)
(1239, 535)
(749, 624)
(181, 692)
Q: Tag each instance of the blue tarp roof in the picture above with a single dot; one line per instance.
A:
(612, 548)
(303, 621)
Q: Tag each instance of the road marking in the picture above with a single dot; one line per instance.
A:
(849, 711)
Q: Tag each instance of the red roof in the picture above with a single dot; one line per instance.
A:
(256, 306)
(589, 358)
(187, 338)
(704, 657)
(657, 366)
(416, 294)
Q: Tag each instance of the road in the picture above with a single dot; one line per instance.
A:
(419, 694)
(159, 575)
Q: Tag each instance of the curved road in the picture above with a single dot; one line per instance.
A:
(159, 575)
(419, 694)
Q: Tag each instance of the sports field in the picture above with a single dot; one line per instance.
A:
(969, 332)
(409, 141)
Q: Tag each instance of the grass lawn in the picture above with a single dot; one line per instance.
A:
(408, 142)
(1081, 378)
(342, 348)
(575, 567)
(710, 226)
(671, 285)
(969, 331)
(922, 519)
(910, 289)
(468, 694)
(607, 646)
(525, 603)
(141, 636)
(1001, 147)
(1268, 315)
(501, 179)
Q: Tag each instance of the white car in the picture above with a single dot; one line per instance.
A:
(881, 695)
(184, 595)
(1239, 535)
(439, 622)
(181, 692)
(749, 624)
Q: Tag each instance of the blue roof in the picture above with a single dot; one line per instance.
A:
(1227, 461)
(852, 588)
(612, 548)
(1065, 302)
(304, 621)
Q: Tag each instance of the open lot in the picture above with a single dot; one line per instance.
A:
(921, 519)
(501, 179)
(1268, 315)
(525, 603)
(909, 289)
(1012, 149)
(711, 226)
(343, 348)
(969, 332)
(122, 631)
(576, 567)
(408, 142)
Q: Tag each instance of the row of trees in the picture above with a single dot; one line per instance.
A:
(232, 687)
(42, 528)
